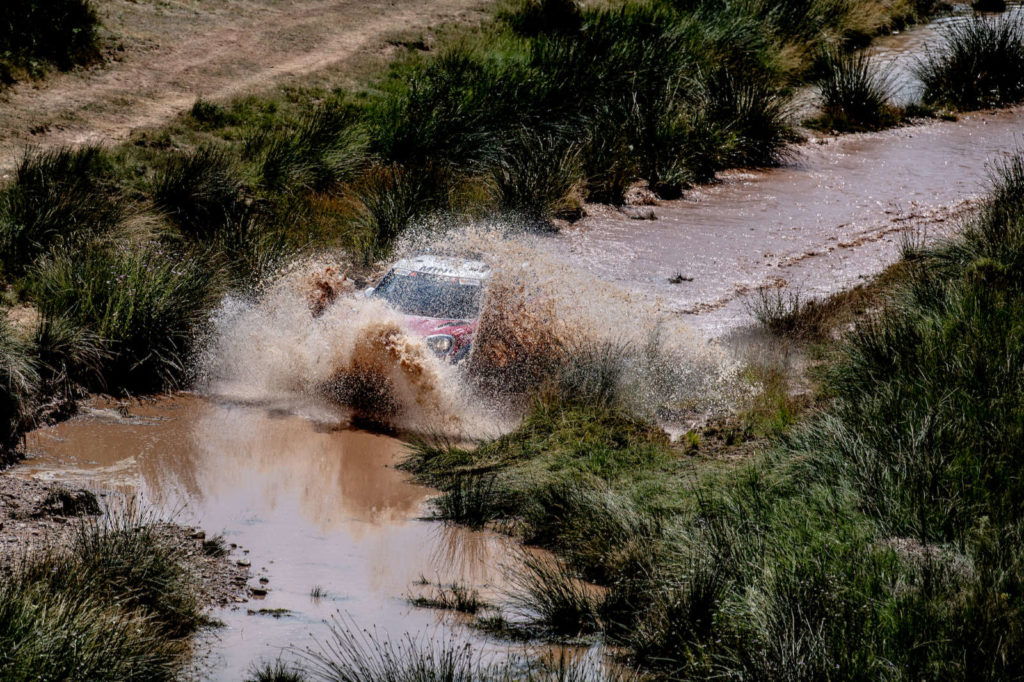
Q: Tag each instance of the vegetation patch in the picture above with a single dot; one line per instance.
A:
(40, 34)
(979, 63)
(856, 95)
(116, 604)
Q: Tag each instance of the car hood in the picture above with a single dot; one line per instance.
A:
(427, 326)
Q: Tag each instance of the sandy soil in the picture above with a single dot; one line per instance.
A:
(163, 54)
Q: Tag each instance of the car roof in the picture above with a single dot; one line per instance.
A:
(447, 266)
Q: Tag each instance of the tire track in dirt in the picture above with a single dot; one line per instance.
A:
(239, 47)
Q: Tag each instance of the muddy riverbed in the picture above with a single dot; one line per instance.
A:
(834, 215)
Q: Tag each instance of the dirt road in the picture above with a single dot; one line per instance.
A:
(169, 52)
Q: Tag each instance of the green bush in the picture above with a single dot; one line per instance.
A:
(531, 17)
(37, 33)
(327, 147)
(855, 94)
(538, 178)
(19, 385)
(199, 191)
(979, 63)
(145, 306)
(117, 605)
(57, 198)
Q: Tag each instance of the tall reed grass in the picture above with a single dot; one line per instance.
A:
(856, 94)
(63, 197)
(979, 63)
(146, 307)
(116, 605)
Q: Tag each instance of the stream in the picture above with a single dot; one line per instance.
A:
(313, 502)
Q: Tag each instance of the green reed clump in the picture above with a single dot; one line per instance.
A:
(145, 305)
(117, 604)
(37, 34)
(275, 671)
(62, 197)
(548, 595)
(855, 94)
(538, 177)
(198, 190)
(389, 199)
(351, 654)
(532, 17)
(19, 384)
(979, 63)
(453, 597)
(443, 113)
(326, 147)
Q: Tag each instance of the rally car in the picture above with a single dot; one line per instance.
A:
(440, 297)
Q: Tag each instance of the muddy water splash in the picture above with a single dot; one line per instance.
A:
(312, 339)
(311, 335)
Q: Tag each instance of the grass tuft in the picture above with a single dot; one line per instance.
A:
(855, 94)
(979, 63)
(145, 308)
(548, 595)
(62, 197)
(117, 605)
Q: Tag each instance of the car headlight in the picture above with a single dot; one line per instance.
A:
(441, 344)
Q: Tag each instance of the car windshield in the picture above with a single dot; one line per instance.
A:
(430, 295)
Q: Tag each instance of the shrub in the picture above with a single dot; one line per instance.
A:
(539, 177)
(62, 33)
(19, 384)
(443, 114)
(146, 306)
(60, 197)
(532, 17)
(199, 191)
(855, 95)
(753, 114)
(276, 671)
(390, 198)
(250, 246)
(69, 356)
(210, 114)
(116, 605)
(548, 595)
(326, 148)
(980, 63)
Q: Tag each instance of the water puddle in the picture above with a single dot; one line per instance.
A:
(311, 502)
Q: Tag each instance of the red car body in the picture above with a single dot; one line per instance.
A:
(440, 298)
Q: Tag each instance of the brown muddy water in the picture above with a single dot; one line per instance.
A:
(831, 217)
(308, 500)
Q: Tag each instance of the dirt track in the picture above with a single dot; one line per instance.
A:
(169, 52)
